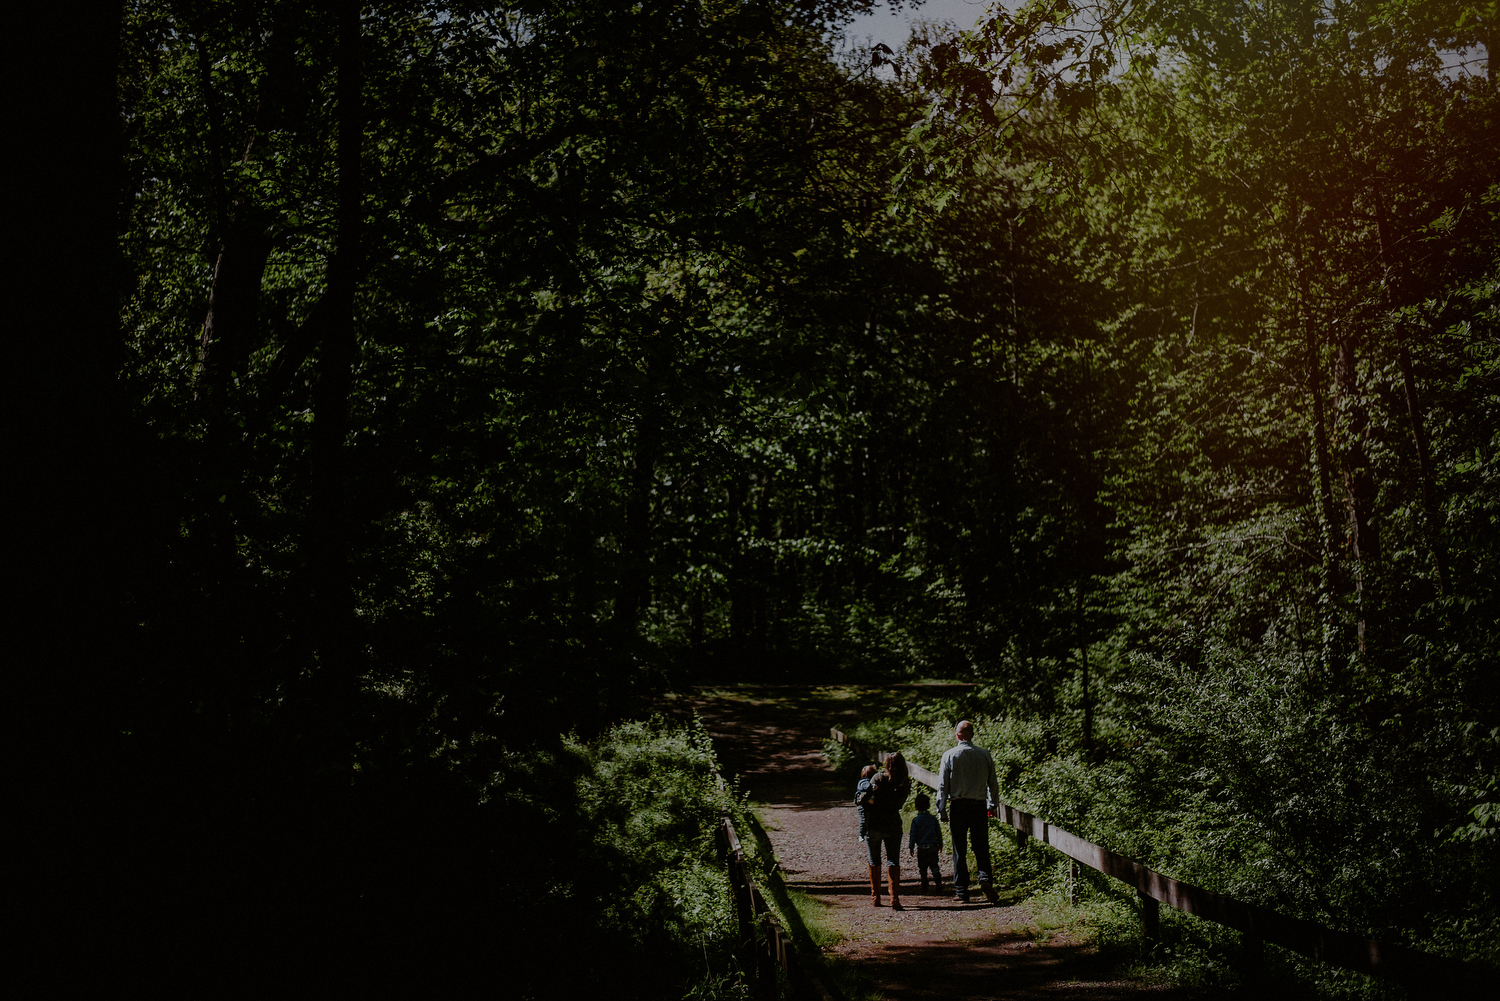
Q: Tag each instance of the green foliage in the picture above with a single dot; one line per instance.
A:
(652, 795)
(1137, 361)
(613, 838)
(1230, 777)
(1254, 662)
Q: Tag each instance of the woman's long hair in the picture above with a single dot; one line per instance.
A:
(895, 767)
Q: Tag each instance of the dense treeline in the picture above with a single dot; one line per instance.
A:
(480, 371)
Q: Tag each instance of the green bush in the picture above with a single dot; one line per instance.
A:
(650, 797)
(1235, 774)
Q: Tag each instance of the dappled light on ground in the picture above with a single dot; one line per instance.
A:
(770, 739)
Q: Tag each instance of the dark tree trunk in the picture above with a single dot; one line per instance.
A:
(1362, 537)
(858, 501)
(635, 582)
(242, 228)
(740, 616)
(1328, 517)
(1090, 545)
(327, 544)
(1413, 405)
(76, 471)
(1488, 37)
(72, 457)
(1424, 463)
(695, 559)
(1327, 509)
(215, 135)
(1006, 443)
(1083, 659)
(765, 567)
(695, 613)
(231, 326)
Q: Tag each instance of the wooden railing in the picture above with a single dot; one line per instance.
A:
(1259, 924)
(761, 932)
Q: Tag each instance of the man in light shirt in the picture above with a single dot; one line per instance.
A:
(967, 791)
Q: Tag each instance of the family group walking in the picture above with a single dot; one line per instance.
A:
(966, 793)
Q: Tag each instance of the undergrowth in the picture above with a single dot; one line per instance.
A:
(651, 796)
(1233, 788)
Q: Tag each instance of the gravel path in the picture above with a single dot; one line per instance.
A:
(771, 738)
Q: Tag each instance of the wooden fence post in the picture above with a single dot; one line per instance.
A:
(765, 945)
(1253, 949)
(1150, 918)
(739, 889)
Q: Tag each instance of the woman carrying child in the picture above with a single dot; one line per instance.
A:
(882, 816)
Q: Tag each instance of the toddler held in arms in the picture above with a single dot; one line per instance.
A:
(862, 794)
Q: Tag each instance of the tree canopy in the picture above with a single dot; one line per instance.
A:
(455, 378)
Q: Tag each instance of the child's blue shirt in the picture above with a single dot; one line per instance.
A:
(924, 831)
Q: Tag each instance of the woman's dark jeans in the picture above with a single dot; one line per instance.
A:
(892, 841)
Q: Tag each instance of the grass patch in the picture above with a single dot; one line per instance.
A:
(821, 928)
(1050, 914)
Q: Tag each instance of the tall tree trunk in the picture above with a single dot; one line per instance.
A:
(1328, 515)
(1090, 540)
(327, 543)
(859, 499)
(765, 569)
(635, 580)
(695, 559)
(695, 618)
(1424, 463)
(225, 343)
(1362, 536)
(739, 595)
(214, 137)
(75, 470)
(230, 327)
(1488, 36)
(241, 227)
(67, 433)
(1413, 405)
(1081, 639)
(1326, 507)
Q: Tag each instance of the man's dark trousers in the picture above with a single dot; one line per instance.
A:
(967, 820)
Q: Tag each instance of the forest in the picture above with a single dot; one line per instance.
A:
(408, 395)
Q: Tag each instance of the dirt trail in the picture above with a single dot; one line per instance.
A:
(771, 737)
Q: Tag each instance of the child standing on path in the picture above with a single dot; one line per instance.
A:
(926, 840)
